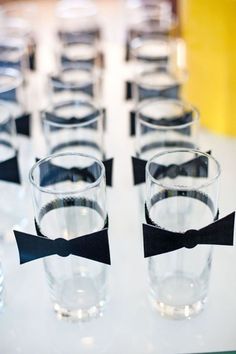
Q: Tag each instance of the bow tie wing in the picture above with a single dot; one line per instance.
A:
(23, 124)
(139, 166)
(93, 246)
(197, 167)
(52, 174)
(158, 241)
(33, 247)
(9, 170)
(220, 232)
(109, 171)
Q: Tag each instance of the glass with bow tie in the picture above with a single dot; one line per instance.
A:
(145, 19)
(74, 125)
(162, 124)
(21, 29)
(181, 213)
(1, 288)
(75, 82)
(13, 95)
(79, 34)
(13, 53)
(12, 212)
(69, 194)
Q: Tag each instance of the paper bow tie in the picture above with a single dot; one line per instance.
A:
(58, 174)
(9, 170)
(197, 167)
(158, 241)
(94, 246)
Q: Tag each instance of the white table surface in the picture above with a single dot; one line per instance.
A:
(129, 325)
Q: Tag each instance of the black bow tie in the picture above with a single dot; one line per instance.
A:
(55, 174)
(94, 246)
(158, 241)
(197, 167)
(9, 170)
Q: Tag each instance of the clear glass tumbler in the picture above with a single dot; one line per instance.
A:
(12, 213)
(77, 20)
(70, 209)
(74, 82)
(13, 53)
(158, 82)
(179, 202)
(74, 126)
(1, 288)
(165, 124)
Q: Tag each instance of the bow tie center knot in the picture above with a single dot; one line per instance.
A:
(75, 175)
(190, 240)
(172, 171)
(62, 247)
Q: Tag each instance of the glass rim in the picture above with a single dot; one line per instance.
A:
(14, 74)
(52, 156)
(139, 42)
(144, 103)
(72, 125)
(181, 187)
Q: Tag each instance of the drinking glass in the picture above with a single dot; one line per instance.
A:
(13, 95)
(153, 49)
(158, 82)
(1, 288)
(13, 54)
(74, 82)
(179, 280)
(71, 209)
(77, 20)
(75, 126)
(79, 52)
(19, 28)
(163, 124)
(12, 213)
(12, 90)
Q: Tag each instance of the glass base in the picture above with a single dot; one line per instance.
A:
(79, 315)
(179, 312)
(179, 297)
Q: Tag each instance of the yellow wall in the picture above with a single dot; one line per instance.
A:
(209, 28)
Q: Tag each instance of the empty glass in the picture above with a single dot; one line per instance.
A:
(158, 82)
(77, 20)
(13, 54)
(1, 288)
(69, 209)
(74, 82)
(179, 202)
(165, 124)
(12, 208)
(19, 28)
(74, 126)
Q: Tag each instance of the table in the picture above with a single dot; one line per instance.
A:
(129, 325)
